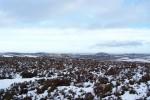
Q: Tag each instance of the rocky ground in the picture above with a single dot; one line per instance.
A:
(50, 78)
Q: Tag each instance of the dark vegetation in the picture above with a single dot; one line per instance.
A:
(109, 78)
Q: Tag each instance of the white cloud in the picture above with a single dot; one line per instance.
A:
(73, 40)
(74, 25)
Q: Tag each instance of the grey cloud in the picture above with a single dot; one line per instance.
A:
(98, 13)
(37, 8)
(29, 9)
(120, 44)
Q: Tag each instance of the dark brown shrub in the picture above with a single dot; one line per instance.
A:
(52, 84)
(132, 91)
(148, 93)
(131, 82)
(112, 71)
(145, 78)
(101, 89)
(8, 96)
(26, 74)
(103, 80)
(27, 98)
(89, 96)
(24, 91)
(125, 88)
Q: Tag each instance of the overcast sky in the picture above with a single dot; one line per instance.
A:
(75, 26)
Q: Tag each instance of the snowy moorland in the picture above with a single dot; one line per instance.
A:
(64, 78)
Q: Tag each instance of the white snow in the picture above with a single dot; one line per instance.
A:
(79, 91)
(141, 92)
(134, 60)
(128, 96)
(5, 83)
(32, 56)
(7, 56)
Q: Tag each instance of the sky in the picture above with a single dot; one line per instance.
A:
(75, 26)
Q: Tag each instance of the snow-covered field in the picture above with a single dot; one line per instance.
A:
(5, 83)
(46, 78)
(146, 60)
